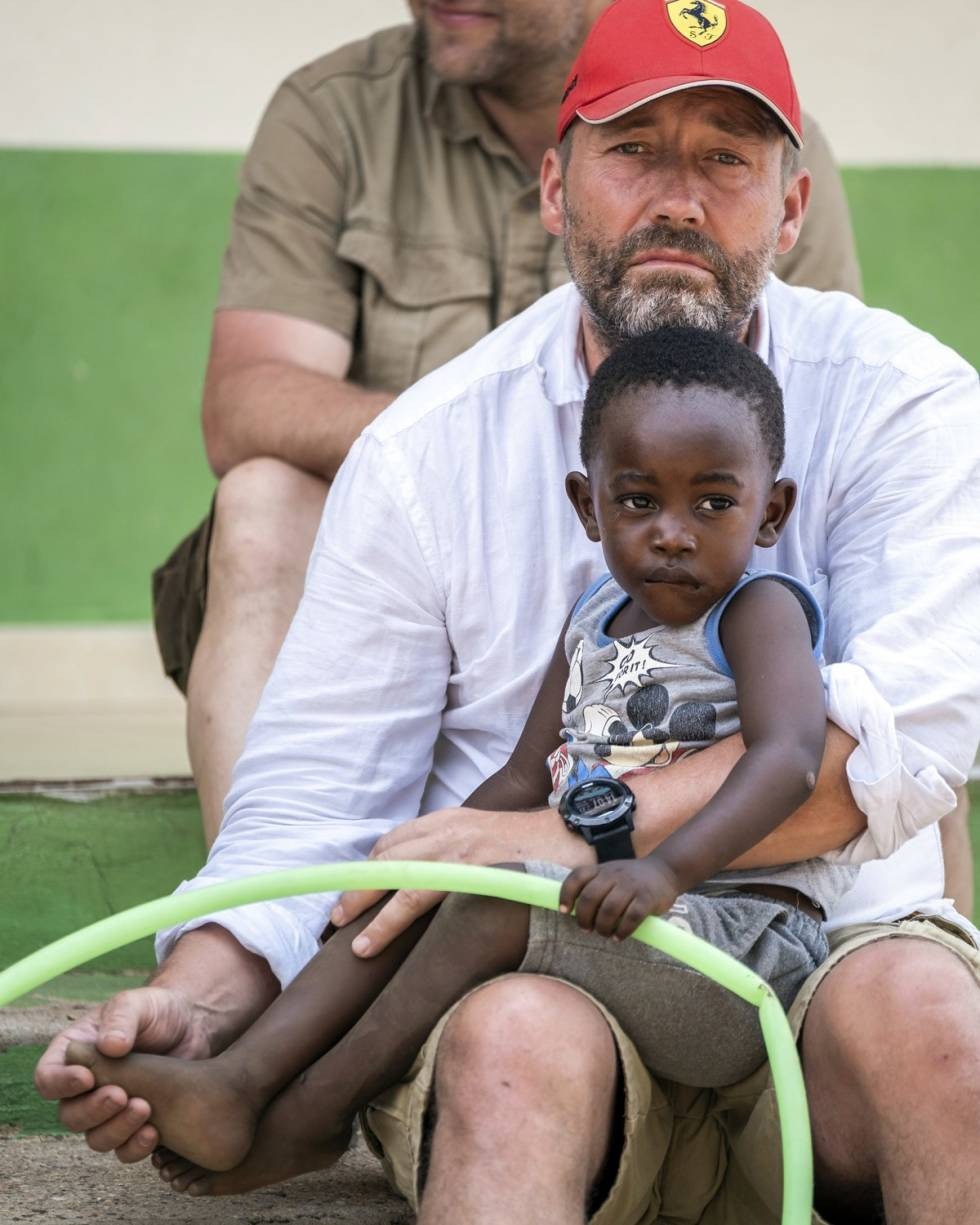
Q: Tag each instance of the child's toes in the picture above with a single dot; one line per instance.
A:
(81, 1054)
(202, 1185)
(174, 1168)
(193, 1179)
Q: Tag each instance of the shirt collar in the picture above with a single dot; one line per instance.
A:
(561, 359)
(760, 330)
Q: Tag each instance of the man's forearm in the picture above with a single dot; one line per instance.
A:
(307, 418)
(227, 985)
(666, 799)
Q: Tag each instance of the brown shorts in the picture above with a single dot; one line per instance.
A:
(708, 1156)
(180, 588)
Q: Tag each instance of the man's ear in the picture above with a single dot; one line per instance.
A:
(782, 499)
(795, 201)
(580, 496)
(552, 193)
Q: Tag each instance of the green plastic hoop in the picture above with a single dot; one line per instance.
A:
(119, 929)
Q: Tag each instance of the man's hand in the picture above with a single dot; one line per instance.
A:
(614, 898)
(147, 1019)
(207, 992)
(456, 835)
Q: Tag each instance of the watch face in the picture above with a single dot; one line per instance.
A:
(598, 801)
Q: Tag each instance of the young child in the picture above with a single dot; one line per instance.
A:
(682, 440)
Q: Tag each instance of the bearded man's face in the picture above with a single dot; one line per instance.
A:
(672, 214)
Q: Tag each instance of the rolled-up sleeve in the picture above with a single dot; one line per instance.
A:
(342, 742)
(290, 212)
(904, 603)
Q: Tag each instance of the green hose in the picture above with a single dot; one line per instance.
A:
(119, 929)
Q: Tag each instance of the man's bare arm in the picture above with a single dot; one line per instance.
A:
(829, 819)
(665, 800)
(276, 386)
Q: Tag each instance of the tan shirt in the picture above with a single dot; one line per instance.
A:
(383, 204)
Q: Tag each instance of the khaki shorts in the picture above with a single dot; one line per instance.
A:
(703, 1156)
(180, 588)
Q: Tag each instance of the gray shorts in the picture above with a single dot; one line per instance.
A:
(686, 1028)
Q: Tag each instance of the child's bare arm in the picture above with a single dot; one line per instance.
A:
(524, 781)
(781, 705)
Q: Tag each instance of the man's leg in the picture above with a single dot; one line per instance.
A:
(954, 829)
(266, 516)
(891, 1050)
(525, 1090)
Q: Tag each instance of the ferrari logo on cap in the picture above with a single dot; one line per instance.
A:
(699, 21)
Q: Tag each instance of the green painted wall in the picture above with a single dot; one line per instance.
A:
(109, 264)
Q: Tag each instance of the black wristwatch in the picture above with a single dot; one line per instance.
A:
(601, 810)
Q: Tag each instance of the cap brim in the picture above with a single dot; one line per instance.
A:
(622, 101)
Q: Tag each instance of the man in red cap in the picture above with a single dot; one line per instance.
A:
(387, 219)
(418, 647)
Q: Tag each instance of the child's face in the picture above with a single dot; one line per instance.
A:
(679, 491)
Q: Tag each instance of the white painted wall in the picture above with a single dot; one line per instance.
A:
(893, 82)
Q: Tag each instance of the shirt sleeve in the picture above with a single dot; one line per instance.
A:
(288, 218)
(903, 630)
(824, 256)
(342, 742)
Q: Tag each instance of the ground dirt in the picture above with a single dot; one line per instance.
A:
(53, 1179)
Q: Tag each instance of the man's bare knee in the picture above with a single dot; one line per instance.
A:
(914, 992)
(511, 1045)
(892, 1034)
(525, 1096)
(265, 519)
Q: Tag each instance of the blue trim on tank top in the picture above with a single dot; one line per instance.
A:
(814, 614)
(588, 593)
(811, 608)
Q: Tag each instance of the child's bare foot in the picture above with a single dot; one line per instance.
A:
(197, 1109)
(287, 1143)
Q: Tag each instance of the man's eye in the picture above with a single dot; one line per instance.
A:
(629, 147)
(715, 502)
(728, 159)
(638, 501)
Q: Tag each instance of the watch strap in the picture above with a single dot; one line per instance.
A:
(615, 845)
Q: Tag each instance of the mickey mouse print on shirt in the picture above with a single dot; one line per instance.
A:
(619, 714)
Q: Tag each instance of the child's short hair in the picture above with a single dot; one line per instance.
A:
(684, 357)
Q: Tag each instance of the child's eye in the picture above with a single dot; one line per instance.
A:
(638, 501)
(715, 502)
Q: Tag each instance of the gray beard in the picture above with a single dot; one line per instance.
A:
(619, 310)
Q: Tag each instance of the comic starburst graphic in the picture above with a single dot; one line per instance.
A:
(631, 667)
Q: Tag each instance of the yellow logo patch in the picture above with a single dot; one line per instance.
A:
(699, 21)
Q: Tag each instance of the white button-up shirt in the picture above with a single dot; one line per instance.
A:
(448, 558)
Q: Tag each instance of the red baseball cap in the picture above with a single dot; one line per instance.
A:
(640, 50)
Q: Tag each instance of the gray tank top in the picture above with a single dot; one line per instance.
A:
(642, 702)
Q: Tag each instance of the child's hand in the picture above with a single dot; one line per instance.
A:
(614, 898)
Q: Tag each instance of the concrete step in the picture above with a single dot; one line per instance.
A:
(87, 701)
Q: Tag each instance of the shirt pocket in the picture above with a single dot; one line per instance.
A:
(419, 305)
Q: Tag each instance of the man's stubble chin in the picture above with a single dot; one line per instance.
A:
(621, 305)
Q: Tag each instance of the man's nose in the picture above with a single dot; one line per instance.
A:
(673, 195)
